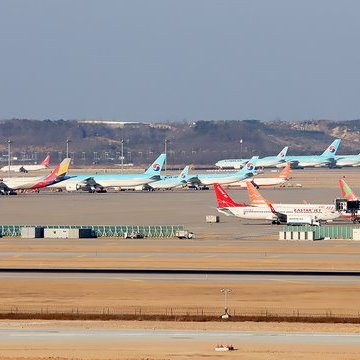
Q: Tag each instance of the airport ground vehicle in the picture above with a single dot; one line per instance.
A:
(301, 220)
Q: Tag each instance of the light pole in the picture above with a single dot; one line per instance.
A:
(226, 314)
(165, 150)
(67, 147)
(9, 154)
(241, 142)
(122, 155)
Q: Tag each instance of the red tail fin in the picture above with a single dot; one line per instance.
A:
(223, 198)
(285, 172)
(46, 161)
(255, 197)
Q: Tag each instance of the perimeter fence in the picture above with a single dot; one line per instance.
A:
(178, 313)
(154, 231)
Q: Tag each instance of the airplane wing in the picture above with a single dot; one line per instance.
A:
(90, 185)
(5, 190)
(280, 216)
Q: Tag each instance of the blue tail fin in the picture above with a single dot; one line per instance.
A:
(183, 175)
(331, 150)
(282, 153)
(155, 168)
(249, 168)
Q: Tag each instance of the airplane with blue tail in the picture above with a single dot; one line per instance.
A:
(99, 182)
(170, 182)
(265, 162)
(201, 180)
(327, 158)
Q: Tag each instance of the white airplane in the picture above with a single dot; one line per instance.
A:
(280, 179)
(99, 182)
(59, 174)
(224, 178)
(170, 182)
(26, 168)
(268, 161)
(260, 209)
(347, 160)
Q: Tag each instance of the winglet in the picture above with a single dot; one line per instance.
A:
(223, 198)
(346, 191)
(285, 172)
(254, 196)
(46, 161)
(155, 168)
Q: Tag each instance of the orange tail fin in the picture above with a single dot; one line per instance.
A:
(346, 191)
(285, 172)
(223, 198)
(254, 196)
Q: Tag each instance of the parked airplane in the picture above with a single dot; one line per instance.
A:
(170, 182)
(9, 185)
(265, 210)
(99, 182)
(347, 160)
(327, 158)
(26, 168)
(203, 180)
(268, 161)
(280, 179)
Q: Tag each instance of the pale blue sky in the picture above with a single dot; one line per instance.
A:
(158, 60)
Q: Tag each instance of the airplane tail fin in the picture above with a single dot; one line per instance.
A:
(155, 168)
(254, 196)
(184, 173)
(60, 171)
(330, 152)
(249, 168)
(46, 161)
(285, 172)
(282, 153)
(223, 198)
(346, 191)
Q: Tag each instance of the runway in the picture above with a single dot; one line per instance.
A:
(185, 276)
(63, 336)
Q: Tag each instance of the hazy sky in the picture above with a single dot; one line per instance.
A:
(157, 60)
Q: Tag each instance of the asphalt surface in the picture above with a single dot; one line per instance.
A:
(64, 336)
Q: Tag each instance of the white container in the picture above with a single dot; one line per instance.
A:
(282, 235)
(56, 233)
(310, 235)
(212, 218)
(288, 235)
(32, 232)
(356, 234)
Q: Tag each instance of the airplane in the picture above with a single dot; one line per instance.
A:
(99, 182)
(26, 168)
(327, 158)
(261, 209)
(268, 161)
(170, 182)
(347, 160)
(8, 186)
(280, 179)
(203, 180)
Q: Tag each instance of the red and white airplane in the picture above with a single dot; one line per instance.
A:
(26, 168)
(262, 209)
(9, 186)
